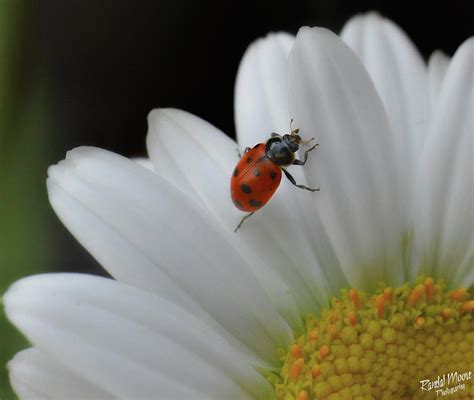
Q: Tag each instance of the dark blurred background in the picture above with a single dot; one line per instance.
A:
(85, 72)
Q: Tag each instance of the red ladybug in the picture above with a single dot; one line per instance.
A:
(258, 173)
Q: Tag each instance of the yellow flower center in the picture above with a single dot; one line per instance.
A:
(398, 343)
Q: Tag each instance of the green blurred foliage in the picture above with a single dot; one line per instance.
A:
(26, 243)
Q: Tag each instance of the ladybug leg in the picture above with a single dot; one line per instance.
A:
(292, 180)
(299, 162)
(242, 221)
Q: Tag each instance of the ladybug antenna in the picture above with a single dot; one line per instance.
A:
(293, 131)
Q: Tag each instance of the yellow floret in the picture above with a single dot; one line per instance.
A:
(380, 345)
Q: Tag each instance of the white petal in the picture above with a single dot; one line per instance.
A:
(333, 98)
(182, 146)
(261, 100)
(146, 232)
(273, 242)
(261, 107)
(128, 342)
(400, 77)
(437, 66)
(36, 376)
(399, 74)
(144, 162)
(445, 182)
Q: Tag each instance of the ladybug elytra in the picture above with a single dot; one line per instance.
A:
(258, 173)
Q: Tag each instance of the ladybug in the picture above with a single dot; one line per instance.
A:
(258, 173)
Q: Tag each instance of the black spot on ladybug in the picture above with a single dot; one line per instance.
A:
(255, 203)
(273, 174)
(249, 160)
(238, 204)
(262, 158)
(236, 172)
(256, 172)
(245, 188)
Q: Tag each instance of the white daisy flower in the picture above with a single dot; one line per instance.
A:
(355, 291)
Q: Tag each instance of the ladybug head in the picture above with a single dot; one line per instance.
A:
(292, 141)
(280, 149)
